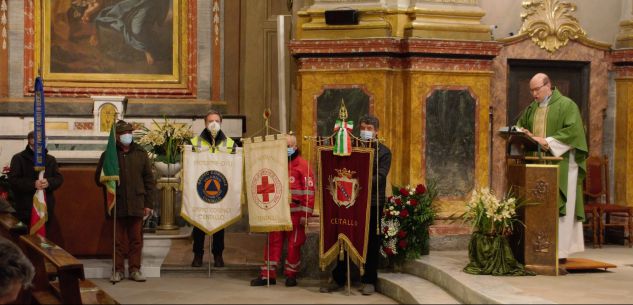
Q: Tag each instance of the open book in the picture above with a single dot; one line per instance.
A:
(510, 129)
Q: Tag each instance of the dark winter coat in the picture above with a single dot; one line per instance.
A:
(22, 180)
(135, 190)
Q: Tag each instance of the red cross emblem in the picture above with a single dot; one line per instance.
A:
(265, 189)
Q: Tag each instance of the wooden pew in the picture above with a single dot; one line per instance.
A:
(11, 228)
(71, 286)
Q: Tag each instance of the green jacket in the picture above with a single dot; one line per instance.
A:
(564, 124)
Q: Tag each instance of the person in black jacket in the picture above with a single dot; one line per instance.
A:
(24, 182)
(368, 131)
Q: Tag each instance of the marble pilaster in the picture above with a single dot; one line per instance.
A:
(624, 39)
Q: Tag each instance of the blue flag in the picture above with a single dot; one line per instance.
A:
(39, 125)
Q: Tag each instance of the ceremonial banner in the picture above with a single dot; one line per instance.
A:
(211, 188)
(39, 212)
(267, 185)
(109, 175)
(344, 193)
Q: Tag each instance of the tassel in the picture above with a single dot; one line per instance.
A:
(341, 254)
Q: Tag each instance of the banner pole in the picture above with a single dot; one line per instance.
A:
(114, 247)
(268, 260)
(349, 278)
(377, 187)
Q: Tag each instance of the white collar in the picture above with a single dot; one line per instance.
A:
(544, 103)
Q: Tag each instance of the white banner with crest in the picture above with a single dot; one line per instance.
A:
(211, 188)
(267, 186)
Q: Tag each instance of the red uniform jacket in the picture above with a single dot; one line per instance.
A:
(301, 179)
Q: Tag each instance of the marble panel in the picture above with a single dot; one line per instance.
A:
(450, 142)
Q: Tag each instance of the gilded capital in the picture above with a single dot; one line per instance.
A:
(550, 24)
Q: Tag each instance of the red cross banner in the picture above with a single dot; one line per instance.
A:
(211, 188)
(344, 186)
(267, 186)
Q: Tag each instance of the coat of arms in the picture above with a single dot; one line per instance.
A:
(343, 188)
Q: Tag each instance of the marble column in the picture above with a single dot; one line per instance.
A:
(623, 160)
(449, 19)
(624, 39)
(434, 19)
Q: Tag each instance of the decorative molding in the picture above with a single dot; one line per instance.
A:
(550, 23)
(4, 22)
(4, 48)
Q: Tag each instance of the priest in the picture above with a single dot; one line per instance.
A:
(554, 121)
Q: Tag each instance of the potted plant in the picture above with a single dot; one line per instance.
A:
(164, 144)
(492, 220)
(407, 216)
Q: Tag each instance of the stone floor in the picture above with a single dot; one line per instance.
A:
(434, 279)
(228, 289)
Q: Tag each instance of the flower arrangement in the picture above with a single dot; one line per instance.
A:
(407, 216)
(490, 215)
(164, 143)
(489, 250)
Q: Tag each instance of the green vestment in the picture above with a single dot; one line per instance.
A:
(564, 124)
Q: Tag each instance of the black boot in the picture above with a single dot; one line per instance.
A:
(262, 282)
(197, 260)
(291, 282)
(218, 261)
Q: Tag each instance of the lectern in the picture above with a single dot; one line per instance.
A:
(534, 178)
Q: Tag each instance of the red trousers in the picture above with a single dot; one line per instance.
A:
(129, 243)
(296, 238)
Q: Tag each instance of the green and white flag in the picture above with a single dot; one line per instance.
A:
(343, 141)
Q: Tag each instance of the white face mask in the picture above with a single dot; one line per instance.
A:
(366, 134)
(126, 139)
(214, 127)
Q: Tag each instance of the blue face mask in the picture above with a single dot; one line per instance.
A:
(126, 139)
(291, 151)
(366, 135)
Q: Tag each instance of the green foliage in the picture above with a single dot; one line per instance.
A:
(405, 222)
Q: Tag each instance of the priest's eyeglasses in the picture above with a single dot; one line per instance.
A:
(537, 88)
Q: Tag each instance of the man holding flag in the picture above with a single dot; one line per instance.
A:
(25, 183)
(125, 171)
(34, 174)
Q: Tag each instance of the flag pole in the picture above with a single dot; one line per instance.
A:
(114, 227)
(113, 247)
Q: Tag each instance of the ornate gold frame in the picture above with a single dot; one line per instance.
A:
(177, 80)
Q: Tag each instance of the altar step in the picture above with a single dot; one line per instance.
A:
(443, 270)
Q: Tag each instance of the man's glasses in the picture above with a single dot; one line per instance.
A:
(537, 88)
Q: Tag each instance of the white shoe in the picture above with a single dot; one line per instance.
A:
(116, 277)
(137, 276)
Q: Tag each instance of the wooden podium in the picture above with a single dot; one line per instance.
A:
(534, 179)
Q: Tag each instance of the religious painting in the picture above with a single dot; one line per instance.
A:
(356, 101)
(112, 43)
(450, 142)
(107, 116)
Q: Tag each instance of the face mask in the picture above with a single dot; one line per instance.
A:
(366, 134)
(291, 151)
(214, 127)
(126, 139)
